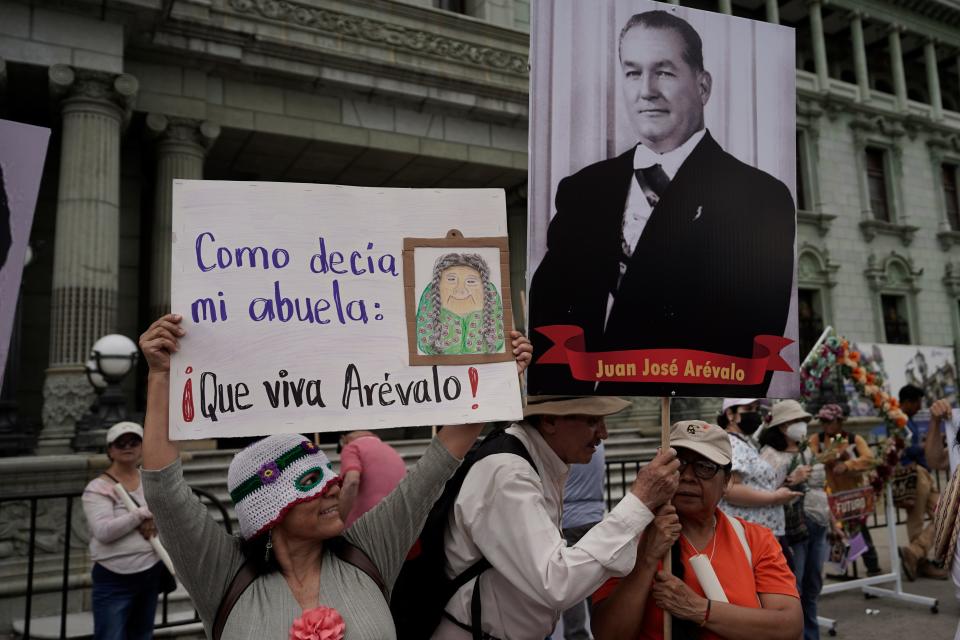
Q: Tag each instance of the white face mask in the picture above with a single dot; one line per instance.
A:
(797, 432)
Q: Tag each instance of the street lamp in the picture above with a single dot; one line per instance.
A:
(94, 377)
(111, 359)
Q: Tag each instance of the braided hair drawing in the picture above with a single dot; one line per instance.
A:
(433, 324)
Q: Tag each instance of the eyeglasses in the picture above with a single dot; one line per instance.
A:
(703, 469)
(130, 443)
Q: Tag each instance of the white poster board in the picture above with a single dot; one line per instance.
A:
(293, 301)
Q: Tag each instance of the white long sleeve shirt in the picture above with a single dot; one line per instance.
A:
(509, 515)
(115, 542)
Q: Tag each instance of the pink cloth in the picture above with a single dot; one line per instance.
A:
(381, 469)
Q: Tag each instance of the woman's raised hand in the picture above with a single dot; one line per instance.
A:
(160, 340)
(522, 350)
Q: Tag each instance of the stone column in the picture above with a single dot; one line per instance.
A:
(181, 149)
(773, 11)
(933, 79)
(896, 67)
(819, 46)
(725, 6)
(86, 252)
(860, 56)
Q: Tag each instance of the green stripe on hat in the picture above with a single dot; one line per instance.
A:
(254, 482)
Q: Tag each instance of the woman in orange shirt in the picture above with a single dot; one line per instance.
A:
(759, 589)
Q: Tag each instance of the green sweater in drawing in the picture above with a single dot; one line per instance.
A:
(459, 334)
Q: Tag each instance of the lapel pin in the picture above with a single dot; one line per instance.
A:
(699, 212)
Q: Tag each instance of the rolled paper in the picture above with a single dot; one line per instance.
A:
(154, 540)
(707, 578)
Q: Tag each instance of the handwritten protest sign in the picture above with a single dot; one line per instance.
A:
(855, 503)
(294, 304)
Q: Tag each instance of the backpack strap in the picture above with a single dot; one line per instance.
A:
(243, 579)
(497, 442)
(354, 555)
(742, 536)
(245, 576)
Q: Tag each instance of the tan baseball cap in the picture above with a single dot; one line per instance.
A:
(707, 439)
(573, 405)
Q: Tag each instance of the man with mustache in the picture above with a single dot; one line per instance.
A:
(675, 244)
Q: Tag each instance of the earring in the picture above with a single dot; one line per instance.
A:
(266, 552)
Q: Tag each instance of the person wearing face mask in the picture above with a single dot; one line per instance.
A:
(756, 491)
(848, 457)
(785, 448)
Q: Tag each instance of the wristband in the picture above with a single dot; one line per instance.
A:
(706, 616)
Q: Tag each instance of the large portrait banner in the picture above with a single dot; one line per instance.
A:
(321, 307)
(23, 149)
(662, 219)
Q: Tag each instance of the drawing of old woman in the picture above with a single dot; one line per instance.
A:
(460, 311)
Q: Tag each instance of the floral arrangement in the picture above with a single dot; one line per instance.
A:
(320, 623)
(835, 353)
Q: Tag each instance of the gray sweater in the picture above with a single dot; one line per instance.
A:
(206, 557)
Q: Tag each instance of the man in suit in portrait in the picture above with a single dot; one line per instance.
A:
(673, 244)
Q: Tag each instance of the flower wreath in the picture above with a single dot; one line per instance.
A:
(835, 352)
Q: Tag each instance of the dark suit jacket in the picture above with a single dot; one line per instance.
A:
(710, 282)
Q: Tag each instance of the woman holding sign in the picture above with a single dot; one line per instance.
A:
(292, 574)
(731, 579)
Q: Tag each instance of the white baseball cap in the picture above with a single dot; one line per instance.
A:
(122, 428)
(729, 403)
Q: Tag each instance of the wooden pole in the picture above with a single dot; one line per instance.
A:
(667, 559)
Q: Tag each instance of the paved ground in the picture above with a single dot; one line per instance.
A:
(895, 620)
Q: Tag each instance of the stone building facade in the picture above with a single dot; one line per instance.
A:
(419, 93)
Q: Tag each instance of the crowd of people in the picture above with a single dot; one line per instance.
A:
(524, 537)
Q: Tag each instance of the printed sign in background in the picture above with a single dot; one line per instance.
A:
(855, 503)
(22, 151)
(293, 302)
(933, 369)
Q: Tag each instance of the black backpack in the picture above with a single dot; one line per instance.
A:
(423, 589)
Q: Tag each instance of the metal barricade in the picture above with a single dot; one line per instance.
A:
(65, 583)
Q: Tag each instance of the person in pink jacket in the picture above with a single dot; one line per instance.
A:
(127, 572)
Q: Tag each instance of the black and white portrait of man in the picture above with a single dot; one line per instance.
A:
(669, 240)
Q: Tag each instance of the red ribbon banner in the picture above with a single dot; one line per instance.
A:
(683, 366)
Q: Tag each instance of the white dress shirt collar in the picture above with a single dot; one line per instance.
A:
(670, 161)
(555, 467)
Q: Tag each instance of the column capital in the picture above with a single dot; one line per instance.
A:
(188, 130)
(118, 90)
(893, 28)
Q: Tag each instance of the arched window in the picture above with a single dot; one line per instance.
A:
(815, 279)
(895, 283)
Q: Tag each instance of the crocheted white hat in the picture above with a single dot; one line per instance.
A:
(271, 475)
